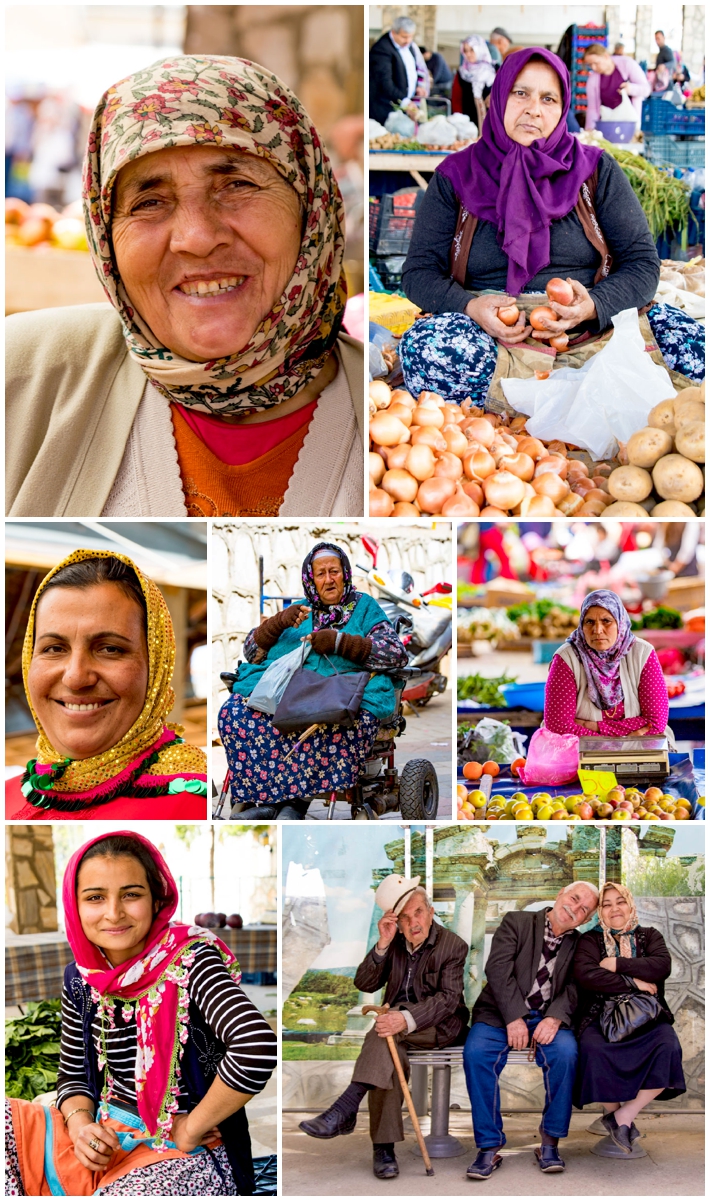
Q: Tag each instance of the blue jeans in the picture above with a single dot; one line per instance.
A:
(484, 1058)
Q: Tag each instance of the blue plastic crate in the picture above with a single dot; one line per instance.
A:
(663, 150)
(659, 117)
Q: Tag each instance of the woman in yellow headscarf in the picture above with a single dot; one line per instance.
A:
(97, 665)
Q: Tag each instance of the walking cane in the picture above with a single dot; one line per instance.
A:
(405, 1088)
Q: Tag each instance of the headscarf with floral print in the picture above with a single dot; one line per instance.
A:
(329, 615)
(209, 100)
(619, 942)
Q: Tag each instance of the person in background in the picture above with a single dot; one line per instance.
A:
(502, 41)
(619, 48)
(440, 71)
(610, 77)
(393, 70)
(473, 80)
(665, 54)
(681, 539)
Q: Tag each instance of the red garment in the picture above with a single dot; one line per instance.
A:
(239, 444)
(177, 807)
(561, 703)
(491, 540)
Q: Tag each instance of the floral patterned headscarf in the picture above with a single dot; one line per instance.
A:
(151, 745)
(153, 983)
(619, 942)
(329, 615)
(208, 100)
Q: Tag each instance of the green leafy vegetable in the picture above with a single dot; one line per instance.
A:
(662, 618)
(484, 689)
(32, 1050)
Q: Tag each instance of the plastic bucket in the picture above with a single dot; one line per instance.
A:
(617, 131)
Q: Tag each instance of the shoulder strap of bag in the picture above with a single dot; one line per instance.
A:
(461, 246)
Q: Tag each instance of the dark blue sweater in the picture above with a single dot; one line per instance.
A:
(427, 281)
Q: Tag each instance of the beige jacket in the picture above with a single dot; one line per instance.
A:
(87, 436)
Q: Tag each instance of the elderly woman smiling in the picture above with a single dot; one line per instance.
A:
(219, 383)
(97, 664)
(525, 204)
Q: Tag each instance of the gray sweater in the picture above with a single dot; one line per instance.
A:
(427, 281)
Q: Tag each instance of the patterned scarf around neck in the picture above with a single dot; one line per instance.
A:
(603, 668)
(619, 942)
(325, 616)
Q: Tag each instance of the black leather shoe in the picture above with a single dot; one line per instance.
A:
(634, 1133)
(329, 1124)
(258, 813)
(549, 1159)
(384, 1164)
(485, 1164)
(291, 812)
(619, 1135)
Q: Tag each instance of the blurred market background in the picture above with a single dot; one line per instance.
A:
(664, 161)
(202, 859)
(172, 553)
(520, 586)
(60, 59)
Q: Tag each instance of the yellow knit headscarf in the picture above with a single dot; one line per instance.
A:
(84, 774)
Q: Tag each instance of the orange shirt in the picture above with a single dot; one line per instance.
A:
(216, 489)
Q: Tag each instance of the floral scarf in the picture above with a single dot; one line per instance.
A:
(329, 615)
(603, 668)
(619, 942)
(482, 73)
(154, 985)
(208, 100)
(150, 757)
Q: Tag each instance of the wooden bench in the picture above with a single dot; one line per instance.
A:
(441, 1144)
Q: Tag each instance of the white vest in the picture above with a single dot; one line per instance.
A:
(632, 665)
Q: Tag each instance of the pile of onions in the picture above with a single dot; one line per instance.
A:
(431, 458)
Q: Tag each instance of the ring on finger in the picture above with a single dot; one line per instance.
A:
(95, 1144)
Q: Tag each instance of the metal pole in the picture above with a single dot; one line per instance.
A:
(261, 585)
(408, 852)
(602, 857)
(429, 861)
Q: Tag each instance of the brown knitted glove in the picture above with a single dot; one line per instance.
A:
(323, 641)
(268, 633)
(355, 648)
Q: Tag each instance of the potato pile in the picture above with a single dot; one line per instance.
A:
(660, 462)
(433, 458)
(41, 225)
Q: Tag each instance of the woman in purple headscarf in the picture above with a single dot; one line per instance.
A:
(604, 680)
(539, 204)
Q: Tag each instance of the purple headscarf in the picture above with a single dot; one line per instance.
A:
(602, 668)
(521, 189)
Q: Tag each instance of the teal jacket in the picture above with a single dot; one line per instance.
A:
(379, 696)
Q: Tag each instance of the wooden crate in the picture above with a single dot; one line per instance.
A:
(48, 278)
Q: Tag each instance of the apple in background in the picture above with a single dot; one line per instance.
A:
(616, 794)
(605, 811)
(666, 817)
(621, 815)
(654, 794)
(234, 921)
(626, 805)
(584, 811)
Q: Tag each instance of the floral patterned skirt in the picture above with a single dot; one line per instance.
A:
(328, 761)
(453, 356)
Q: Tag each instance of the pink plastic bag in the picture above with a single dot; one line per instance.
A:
(552, 758)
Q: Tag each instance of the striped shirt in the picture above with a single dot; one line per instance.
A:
(250, 1044)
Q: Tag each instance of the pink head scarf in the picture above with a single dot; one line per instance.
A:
(154, 983)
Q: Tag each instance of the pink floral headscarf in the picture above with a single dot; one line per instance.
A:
(208, 100)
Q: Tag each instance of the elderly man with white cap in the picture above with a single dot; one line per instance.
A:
(421, 965)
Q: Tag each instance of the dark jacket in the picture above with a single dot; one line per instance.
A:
(512, 966)
(437, 984)
(426, 278)
(596, 984)
(441, 73)
(202, 1049)
(388, 78)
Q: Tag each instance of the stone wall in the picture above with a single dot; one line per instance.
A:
(423, 14)
(237, 546)
(693, 47)
(316, 49)
(31, 884)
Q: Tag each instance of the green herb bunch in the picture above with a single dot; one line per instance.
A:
(32, 1050)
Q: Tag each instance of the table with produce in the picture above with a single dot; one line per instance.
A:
(568, 430)
(47, 263)
(497, 715)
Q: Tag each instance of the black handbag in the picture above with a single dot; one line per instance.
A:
(311, 699)
(623, 1015)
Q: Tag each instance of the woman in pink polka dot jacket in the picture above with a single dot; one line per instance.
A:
(604, 680)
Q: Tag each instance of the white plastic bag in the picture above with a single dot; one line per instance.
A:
(272, 685)
(623, 112)
(601, 403)
(437, 132)
(463, 124)
(399, 122)
(375, 130)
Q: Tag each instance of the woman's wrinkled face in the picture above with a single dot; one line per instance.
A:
(89, 671)
(205, 240)
(116, 909)
(328, 579)
(534, 106)
(469, 54)
(615, 911)
(599, 628)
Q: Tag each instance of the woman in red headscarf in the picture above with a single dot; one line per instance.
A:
(160, 1048)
